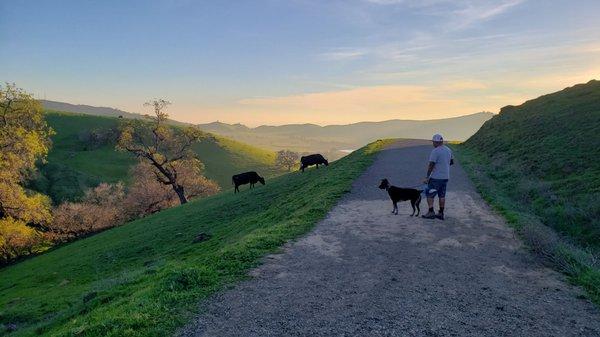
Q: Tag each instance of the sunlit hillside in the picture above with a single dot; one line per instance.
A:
(75, 164)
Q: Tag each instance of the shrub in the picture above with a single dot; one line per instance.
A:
(17, 239)
(101, 208)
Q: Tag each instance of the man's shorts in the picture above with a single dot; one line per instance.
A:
(436, 186)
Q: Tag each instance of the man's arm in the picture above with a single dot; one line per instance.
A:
(429, 170)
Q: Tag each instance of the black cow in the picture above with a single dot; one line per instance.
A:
(246, 178)
(313, 159)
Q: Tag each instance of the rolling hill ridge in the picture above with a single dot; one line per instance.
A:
(334, 141)
(333, 138)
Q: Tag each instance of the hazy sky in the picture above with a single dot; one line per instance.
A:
(290, 61)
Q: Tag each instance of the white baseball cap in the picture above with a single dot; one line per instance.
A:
(437, 138)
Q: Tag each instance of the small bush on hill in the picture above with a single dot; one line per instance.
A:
(95, 138)
(287, 159)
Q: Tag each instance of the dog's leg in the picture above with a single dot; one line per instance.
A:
(418, 203)
(396, 208)
(412, 203)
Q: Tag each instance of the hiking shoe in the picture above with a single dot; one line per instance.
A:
(429, 215)
(440, 216)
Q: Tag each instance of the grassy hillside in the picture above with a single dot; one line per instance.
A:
(540, 162)
(145, 278)
(74, 166)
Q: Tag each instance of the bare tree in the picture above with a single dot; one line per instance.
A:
(146, 195)
(286, 159)
(161, 145)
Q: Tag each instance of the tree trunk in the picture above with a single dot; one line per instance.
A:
(179, 190)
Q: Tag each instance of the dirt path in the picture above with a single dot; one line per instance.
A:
(366, 272)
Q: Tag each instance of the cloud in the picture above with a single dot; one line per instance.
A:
(465, 85)
(342, 54)
(473, 13)
(460, 14)
(560, 80)
(385, 2)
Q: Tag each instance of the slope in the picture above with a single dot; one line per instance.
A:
(145, 278)
(546, 151)
(537, 164)
(74, 164)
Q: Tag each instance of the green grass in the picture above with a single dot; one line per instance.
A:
(73, 166)
(545, 154)
(537, 164)
(578, 263)
(145, 278)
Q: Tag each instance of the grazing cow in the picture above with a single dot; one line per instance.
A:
(246, 178)
(313, 159)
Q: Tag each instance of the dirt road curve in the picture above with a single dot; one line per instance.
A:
(366, 272)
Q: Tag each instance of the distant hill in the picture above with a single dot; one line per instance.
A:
(544, 155)
(87, 109)
(333, 138)
(334, 141)
(73, 165)
(94, 110)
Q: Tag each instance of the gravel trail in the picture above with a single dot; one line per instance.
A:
(365, 272)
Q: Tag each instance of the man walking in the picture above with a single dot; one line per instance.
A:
(438, 173)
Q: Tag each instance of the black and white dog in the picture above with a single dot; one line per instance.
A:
(402, 194)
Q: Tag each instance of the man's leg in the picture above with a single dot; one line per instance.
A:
(430, 202)
(442, 197)
(431, 213)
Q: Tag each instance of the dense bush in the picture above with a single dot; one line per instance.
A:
(101, 208)
(62, 183)
(17, 239)
(95, 138)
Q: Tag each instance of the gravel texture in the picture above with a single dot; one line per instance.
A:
(365, 272)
